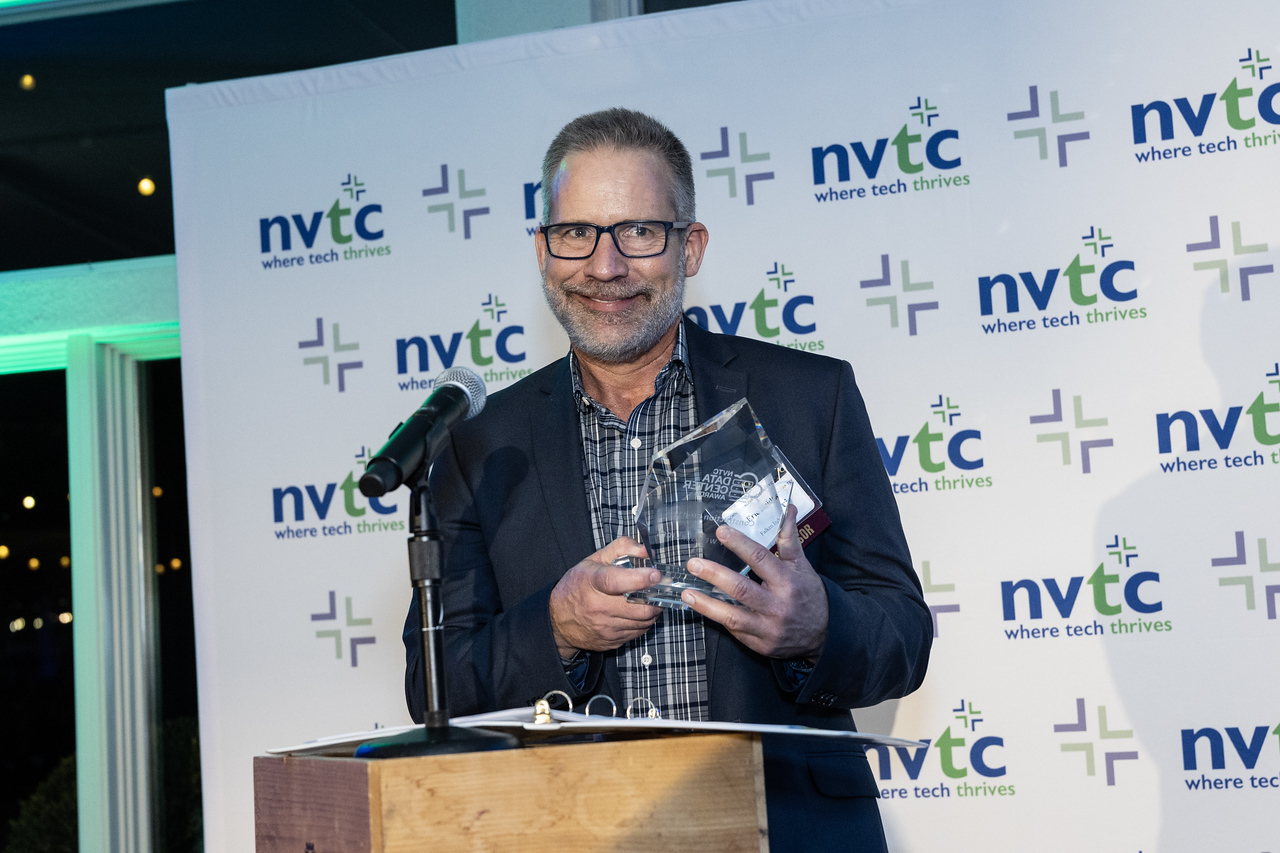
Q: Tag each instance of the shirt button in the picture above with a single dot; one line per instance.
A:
(646, 659)
(635, 442)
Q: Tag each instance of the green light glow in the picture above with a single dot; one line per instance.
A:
(131, 304)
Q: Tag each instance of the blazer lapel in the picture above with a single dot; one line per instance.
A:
(557, 454)
(716, 387)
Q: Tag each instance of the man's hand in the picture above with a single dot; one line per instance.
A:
(787, 615)
(588, 610)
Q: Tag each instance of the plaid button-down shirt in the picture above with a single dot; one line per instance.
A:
(668, 665)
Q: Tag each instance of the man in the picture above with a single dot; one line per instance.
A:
(536, 499)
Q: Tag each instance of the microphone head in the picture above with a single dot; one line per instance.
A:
(380, 477)
(470, 383)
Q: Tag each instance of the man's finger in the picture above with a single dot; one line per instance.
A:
(624, 628)
(616, 580)
(755, 555)
(632, 617)
(734, 584)
(789, 547)
(623, 546)
(738, 620)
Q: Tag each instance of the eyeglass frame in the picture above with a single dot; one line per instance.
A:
(668, 227)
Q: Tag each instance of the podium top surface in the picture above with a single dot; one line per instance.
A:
(521, 723)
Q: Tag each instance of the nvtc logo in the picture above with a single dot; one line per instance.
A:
(962, 457)
(931, 588)
(1248, 751)
(291, 497)
(1235, 100)
(1269, 591)
(335, 634)
(776, 293)
(745, 159)
(1238, 247)
(283, 229)
(1081, 422)
(341, 367)
(1222, 430)
(1041, 293)
(492, 308)
(1134, 596)
(531, 207)
(923, 113)
(891, 301)
(957, 754)
(448, 207)
(1041, 134)
(1105, 733)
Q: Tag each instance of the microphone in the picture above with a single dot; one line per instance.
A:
(458, 396)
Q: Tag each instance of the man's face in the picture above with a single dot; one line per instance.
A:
(617, 309)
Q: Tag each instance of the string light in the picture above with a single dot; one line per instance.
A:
(27, 82)
(146, 186)
(37, 623)
(29, 502)
(159, 568)
(17, 625)
(175, 563)
(65, 561)
(156, 491)
(33, 564)
(65, 617)
(4, 552)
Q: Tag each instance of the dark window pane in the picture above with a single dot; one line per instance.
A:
(179, 821)
(37, 680)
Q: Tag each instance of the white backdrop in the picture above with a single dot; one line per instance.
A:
(1039, 295)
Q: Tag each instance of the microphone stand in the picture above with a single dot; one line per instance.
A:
(426, 568)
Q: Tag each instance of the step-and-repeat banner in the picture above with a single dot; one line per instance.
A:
(1046, 239)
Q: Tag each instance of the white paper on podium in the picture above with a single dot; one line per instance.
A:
(568, 722)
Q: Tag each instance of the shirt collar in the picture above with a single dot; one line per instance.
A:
(678, 364)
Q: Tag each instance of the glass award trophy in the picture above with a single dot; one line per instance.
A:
(726, 471)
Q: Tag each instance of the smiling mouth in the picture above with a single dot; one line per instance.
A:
(608, 302)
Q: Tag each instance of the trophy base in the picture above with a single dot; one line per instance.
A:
(666, 592)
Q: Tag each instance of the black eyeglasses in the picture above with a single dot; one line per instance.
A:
(574, 241)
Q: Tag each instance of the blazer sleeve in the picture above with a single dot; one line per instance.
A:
(879, 628)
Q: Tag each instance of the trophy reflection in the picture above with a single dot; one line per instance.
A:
(726, 471)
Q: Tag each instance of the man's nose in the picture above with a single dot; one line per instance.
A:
(607, 263)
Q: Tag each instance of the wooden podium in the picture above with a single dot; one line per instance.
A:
(679, 793)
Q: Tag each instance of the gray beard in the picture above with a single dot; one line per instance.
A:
(645, 336)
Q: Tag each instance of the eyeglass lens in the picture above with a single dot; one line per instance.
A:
(632, 238)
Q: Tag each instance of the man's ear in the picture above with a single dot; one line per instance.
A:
(695, 244)
(540, 247)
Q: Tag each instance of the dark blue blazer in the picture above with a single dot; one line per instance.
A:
(512, 504)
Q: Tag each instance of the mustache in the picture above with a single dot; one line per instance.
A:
(609, 292)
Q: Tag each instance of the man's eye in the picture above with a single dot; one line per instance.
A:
(579, 232)
(637, 229)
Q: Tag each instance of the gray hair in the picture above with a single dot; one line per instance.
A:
(622, 129)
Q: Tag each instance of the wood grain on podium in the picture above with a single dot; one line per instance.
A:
(690, 793)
